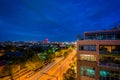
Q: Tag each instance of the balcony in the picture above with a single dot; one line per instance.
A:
(112, 49)
(110, 60)
(110, 65)
(107, 52)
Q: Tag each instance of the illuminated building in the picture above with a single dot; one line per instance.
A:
(46, 40)
(98, 56)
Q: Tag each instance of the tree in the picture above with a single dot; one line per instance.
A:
(69, 75)
(57, 54)
(50, 57)
(65, 54)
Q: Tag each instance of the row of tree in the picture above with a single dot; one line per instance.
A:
(70, 73)
(31, 59)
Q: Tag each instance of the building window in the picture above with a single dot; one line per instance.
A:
(87, 71)
(87, 47)
(118, 36)
(109, 48)
(104, 73)
(109, 75)
(87, 57)
(92, 47)
(91, 37)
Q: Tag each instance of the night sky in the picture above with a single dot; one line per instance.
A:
(57, 20)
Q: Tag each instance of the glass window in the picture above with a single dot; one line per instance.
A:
(87, 71)
(87, 57)
(109, 48)
(117, 36)
(109, 74)
(87, 47)
(104, 73)
(93, 48)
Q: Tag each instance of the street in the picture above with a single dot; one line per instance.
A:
(52, 71)
(38, 74)
(56, 72)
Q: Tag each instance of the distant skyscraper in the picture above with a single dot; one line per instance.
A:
(46, 40)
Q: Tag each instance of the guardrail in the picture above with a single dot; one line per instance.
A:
(110, 65)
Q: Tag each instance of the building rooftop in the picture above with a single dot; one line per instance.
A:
(103, 31)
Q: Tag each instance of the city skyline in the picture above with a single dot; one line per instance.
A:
(56, 20)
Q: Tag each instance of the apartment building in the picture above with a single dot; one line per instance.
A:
(98, 56)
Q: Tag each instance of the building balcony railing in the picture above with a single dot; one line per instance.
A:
(110, 65)
(109, 59)
(107, 52)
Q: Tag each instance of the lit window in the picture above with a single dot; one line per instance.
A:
(87, 57)
(104, 73)
(87, 71)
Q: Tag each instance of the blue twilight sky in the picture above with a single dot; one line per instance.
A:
(57, 20)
